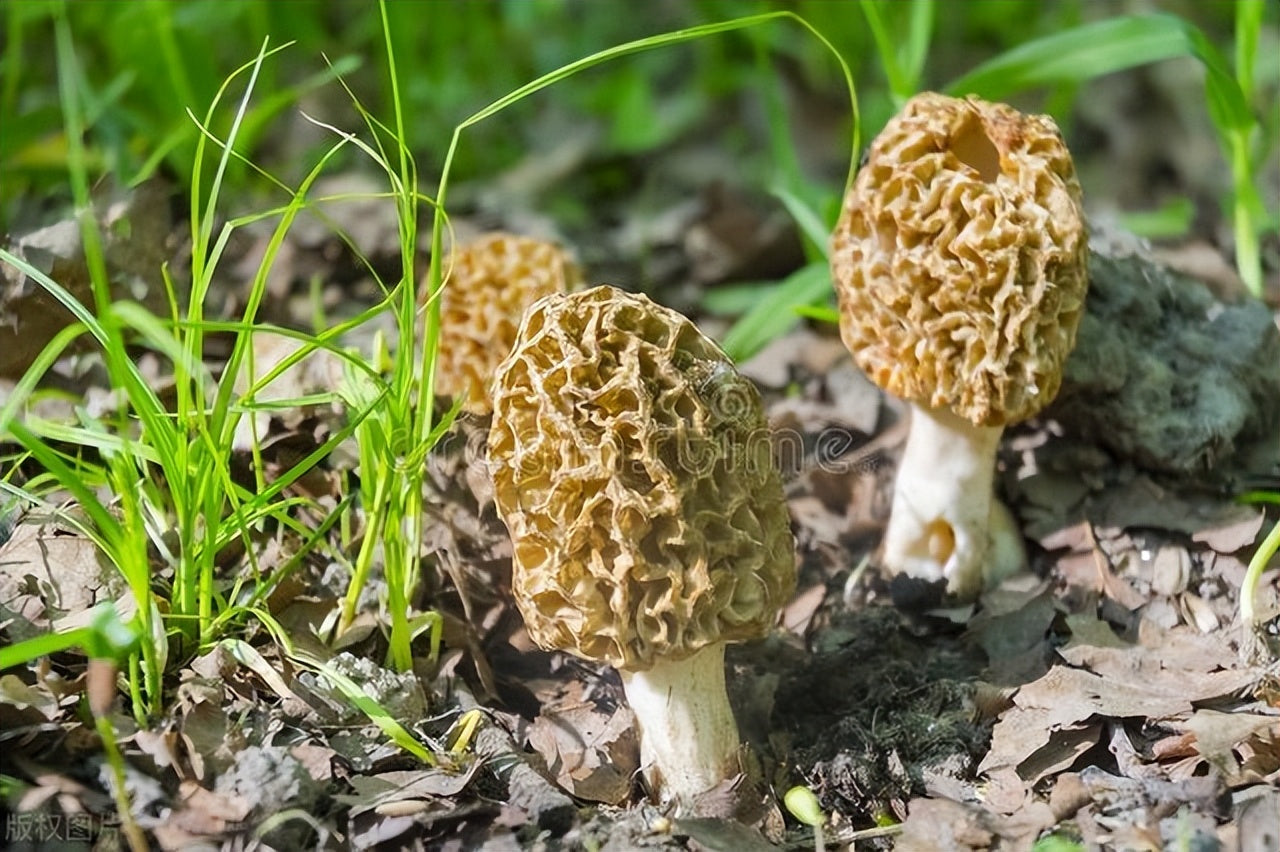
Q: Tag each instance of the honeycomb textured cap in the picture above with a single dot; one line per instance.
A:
(960, 259)
(492, 281)
(633, 467)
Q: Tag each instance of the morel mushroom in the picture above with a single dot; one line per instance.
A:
(632, 465)
(959, 263)
(492, 281)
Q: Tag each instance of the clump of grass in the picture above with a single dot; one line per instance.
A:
(167, 468)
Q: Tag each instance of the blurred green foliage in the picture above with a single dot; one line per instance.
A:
(147, 62)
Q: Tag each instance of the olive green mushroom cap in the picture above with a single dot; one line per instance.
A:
(960, 259)
(491, 282)
(633, 467)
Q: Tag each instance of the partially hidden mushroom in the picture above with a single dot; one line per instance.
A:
(633, 467)
(491, 281)
(959, 266)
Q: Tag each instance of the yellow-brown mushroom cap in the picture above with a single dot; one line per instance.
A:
(633, 467)
(492, 281)
(960, 259)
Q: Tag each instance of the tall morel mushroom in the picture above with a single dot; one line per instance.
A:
(959, 263)
(491, 282)
(632, 465)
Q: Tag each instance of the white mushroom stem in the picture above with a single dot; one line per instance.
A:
(688, 737)
(945, 522)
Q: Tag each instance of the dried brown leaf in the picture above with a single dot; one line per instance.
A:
(317, 760)
(205, 813)
(1217, 735)
(592, 754)
(1068, 795)
(1231, 528)
(1258, 818)
(1015, 617)
(18, 696)
(1066, 697)
(1072, 695)
(721, 835)
(798, 614)
(1059, 753)
(1141, 503)
(60, 566)
(138, 239)
(374, 792)
(161, 747)
(942, 825)
(1177, 662)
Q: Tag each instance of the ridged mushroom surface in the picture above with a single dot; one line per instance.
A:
(959, 259)
(632, 465)
(492, 281)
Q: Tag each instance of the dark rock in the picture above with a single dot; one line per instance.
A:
(1163, 373)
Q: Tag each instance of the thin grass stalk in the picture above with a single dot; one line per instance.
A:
(887, 46)
(1247, 216)
(119, 367)
(403, 527)
(115, 762)
(1250, 642)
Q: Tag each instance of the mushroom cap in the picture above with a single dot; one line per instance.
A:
(492, 281)
(960, 259)
(633, 467)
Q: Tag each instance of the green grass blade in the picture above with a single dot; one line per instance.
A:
(1248, 30)
(35, 372)
(888, 51)
(638, 46)
(104, 637)
(1226, 102)
(1249, 589)
(107, 526)
(1103, 47)
(203, 214)
(1172, 219)
(816, 232)
(775, 312)
(361, 700)
(1082, 53)
(902, 55)
(820, 313)
(91, 438)
(157, 335)
(919, 37)
(82, 314)
(42, 646)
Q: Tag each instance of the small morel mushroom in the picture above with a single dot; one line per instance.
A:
(492, 281)
(633, 467)
(959, 263)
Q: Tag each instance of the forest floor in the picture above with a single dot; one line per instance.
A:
(1101, 697)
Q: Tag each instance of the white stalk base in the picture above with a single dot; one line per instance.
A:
(945, 522)
(688, 737)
